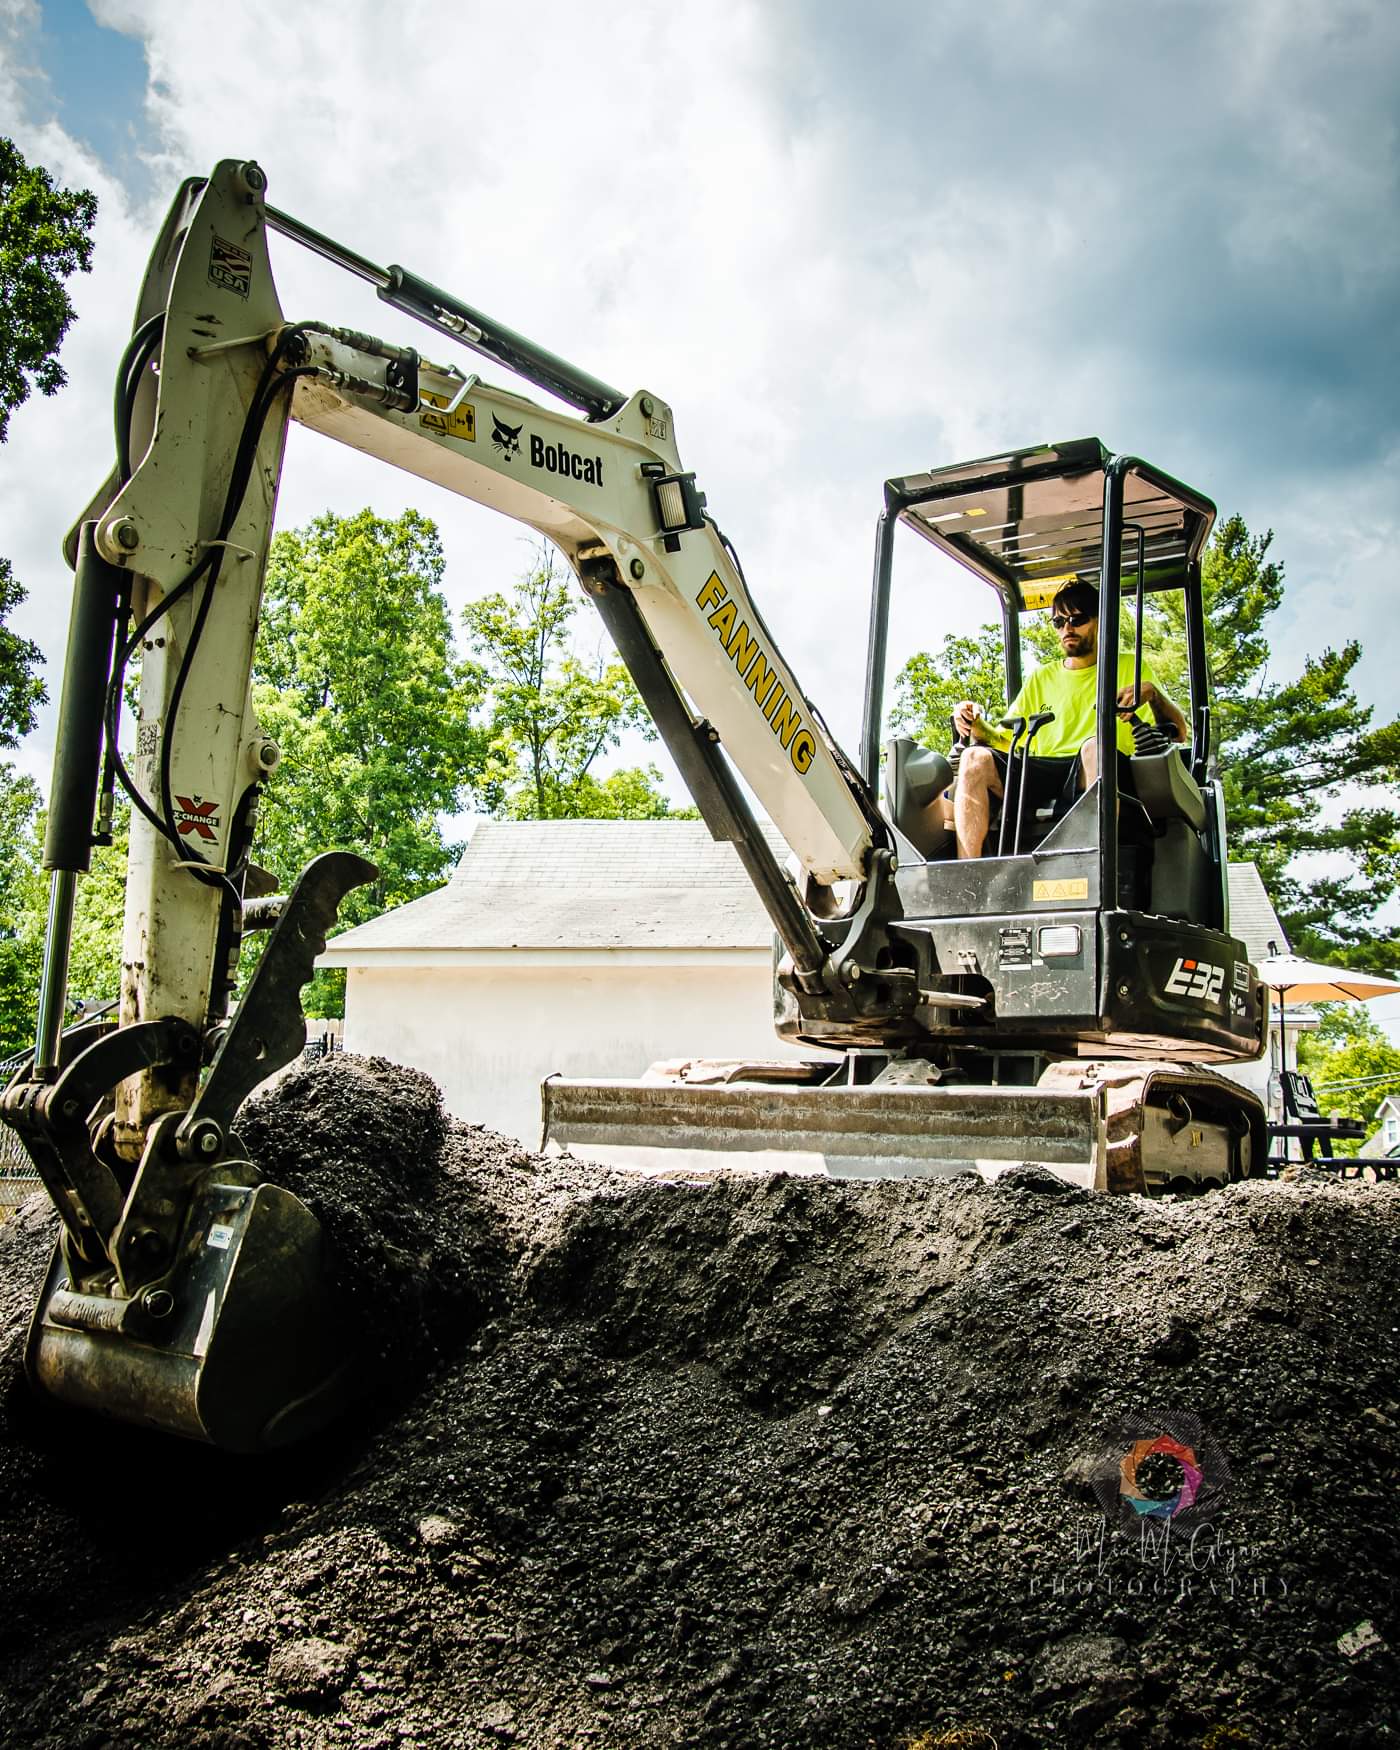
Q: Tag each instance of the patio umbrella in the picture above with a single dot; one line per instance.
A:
(1312, 981)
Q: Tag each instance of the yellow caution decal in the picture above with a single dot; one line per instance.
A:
(1074, 887)
(459, 422)
(759, 672)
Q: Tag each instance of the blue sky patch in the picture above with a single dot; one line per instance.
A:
(96, 85)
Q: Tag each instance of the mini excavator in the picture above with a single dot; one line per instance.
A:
(1061, 999)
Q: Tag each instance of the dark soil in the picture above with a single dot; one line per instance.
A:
(753, 1461)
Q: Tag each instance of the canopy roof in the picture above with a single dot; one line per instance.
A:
(1313, 981)
(1030, 521)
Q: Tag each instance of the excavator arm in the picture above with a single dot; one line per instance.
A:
(175, 1264)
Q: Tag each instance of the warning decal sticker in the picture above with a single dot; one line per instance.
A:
(1074, 888)
(459, 423)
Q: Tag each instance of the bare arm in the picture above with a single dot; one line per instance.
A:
(1165, 710)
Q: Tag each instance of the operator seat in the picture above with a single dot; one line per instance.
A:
(915, 777)
(1181, 872)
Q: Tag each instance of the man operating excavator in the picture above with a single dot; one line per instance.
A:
(1066, 751)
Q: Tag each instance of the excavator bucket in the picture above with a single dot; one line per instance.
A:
(1103, 1126)
(244, 1345)
(184, 1294)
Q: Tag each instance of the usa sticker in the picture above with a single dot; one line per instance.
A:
(230, 267)
(1196, 978)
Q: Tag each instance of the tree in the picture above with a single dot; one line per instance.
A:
(20, 897)
(94, 961)
(552, 715)
(43, 239)
(928, 687)
(357, 680)
(1292, 754)
(21, 690)
(1349, 1048)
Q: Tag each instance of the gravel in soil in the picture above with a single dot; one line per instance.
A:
(750, 1461)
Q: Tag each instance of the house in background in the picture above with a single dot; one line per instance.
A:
(1386, 1135)
(570, 947)
(594, 948)
(1255, 922)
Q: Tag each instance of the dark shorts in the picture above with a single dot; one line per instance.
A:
(1049, 783)
(1055, 783)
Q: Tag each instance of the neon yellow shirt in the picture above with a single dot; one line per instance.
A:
(1071, 693)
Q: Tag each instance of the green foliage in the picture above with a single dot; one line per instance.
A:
(95, 958)
(94, 965)
(1349, 1046)
(43, 239)
(552, 716)
(1293, 754)
(928, 687)
(21, 690)
(20, 905)
(357, 680)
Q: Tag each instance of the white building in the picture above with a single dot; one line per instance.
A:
(592, 947)
(577, 947)
(1386, 1135)
(1255, 922)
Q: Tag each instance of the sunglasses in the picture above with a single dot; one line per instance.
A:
(1060, 620)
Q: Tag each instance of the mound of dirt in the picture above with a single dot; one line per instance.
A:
(744, 1461)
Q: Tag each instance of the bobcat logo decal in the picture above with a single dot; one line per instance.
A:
(505, 437)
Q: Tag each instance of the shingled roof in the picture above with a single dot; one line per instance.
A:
(599, 885)
(610, 885)
(1252, 916)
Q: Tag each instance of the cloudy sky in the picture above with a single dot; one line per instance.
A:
(844, 241)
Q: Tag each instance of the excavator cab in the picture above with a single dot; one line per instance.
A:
(1027, 525)
(1097, 924)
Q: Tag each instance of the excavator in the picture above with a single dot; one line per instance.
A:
(1061, 999)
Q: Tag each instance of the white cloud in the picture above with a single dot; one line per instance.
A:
(843, 243)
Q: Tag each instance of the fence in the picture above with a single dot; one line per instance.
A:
(18, 1179)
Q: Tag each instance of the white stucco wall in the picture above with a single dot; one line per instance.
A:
(489, 1034)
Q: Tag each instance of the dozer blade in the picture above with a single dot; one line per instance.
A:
(851, 1133)
(1128, 1125)
(243, 1344)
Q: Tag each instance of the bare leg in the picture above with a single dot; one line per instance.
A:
(978, 782)
(1089, 766)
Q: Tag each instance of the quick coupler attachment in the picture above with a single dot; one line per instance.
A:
(243, 1343)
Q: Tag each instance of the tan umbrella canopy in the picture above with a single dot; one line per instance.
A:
(1296, 980)
(1291, 978)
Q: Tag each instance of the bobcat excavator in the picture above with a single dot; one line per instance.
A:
(1058, 1001)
